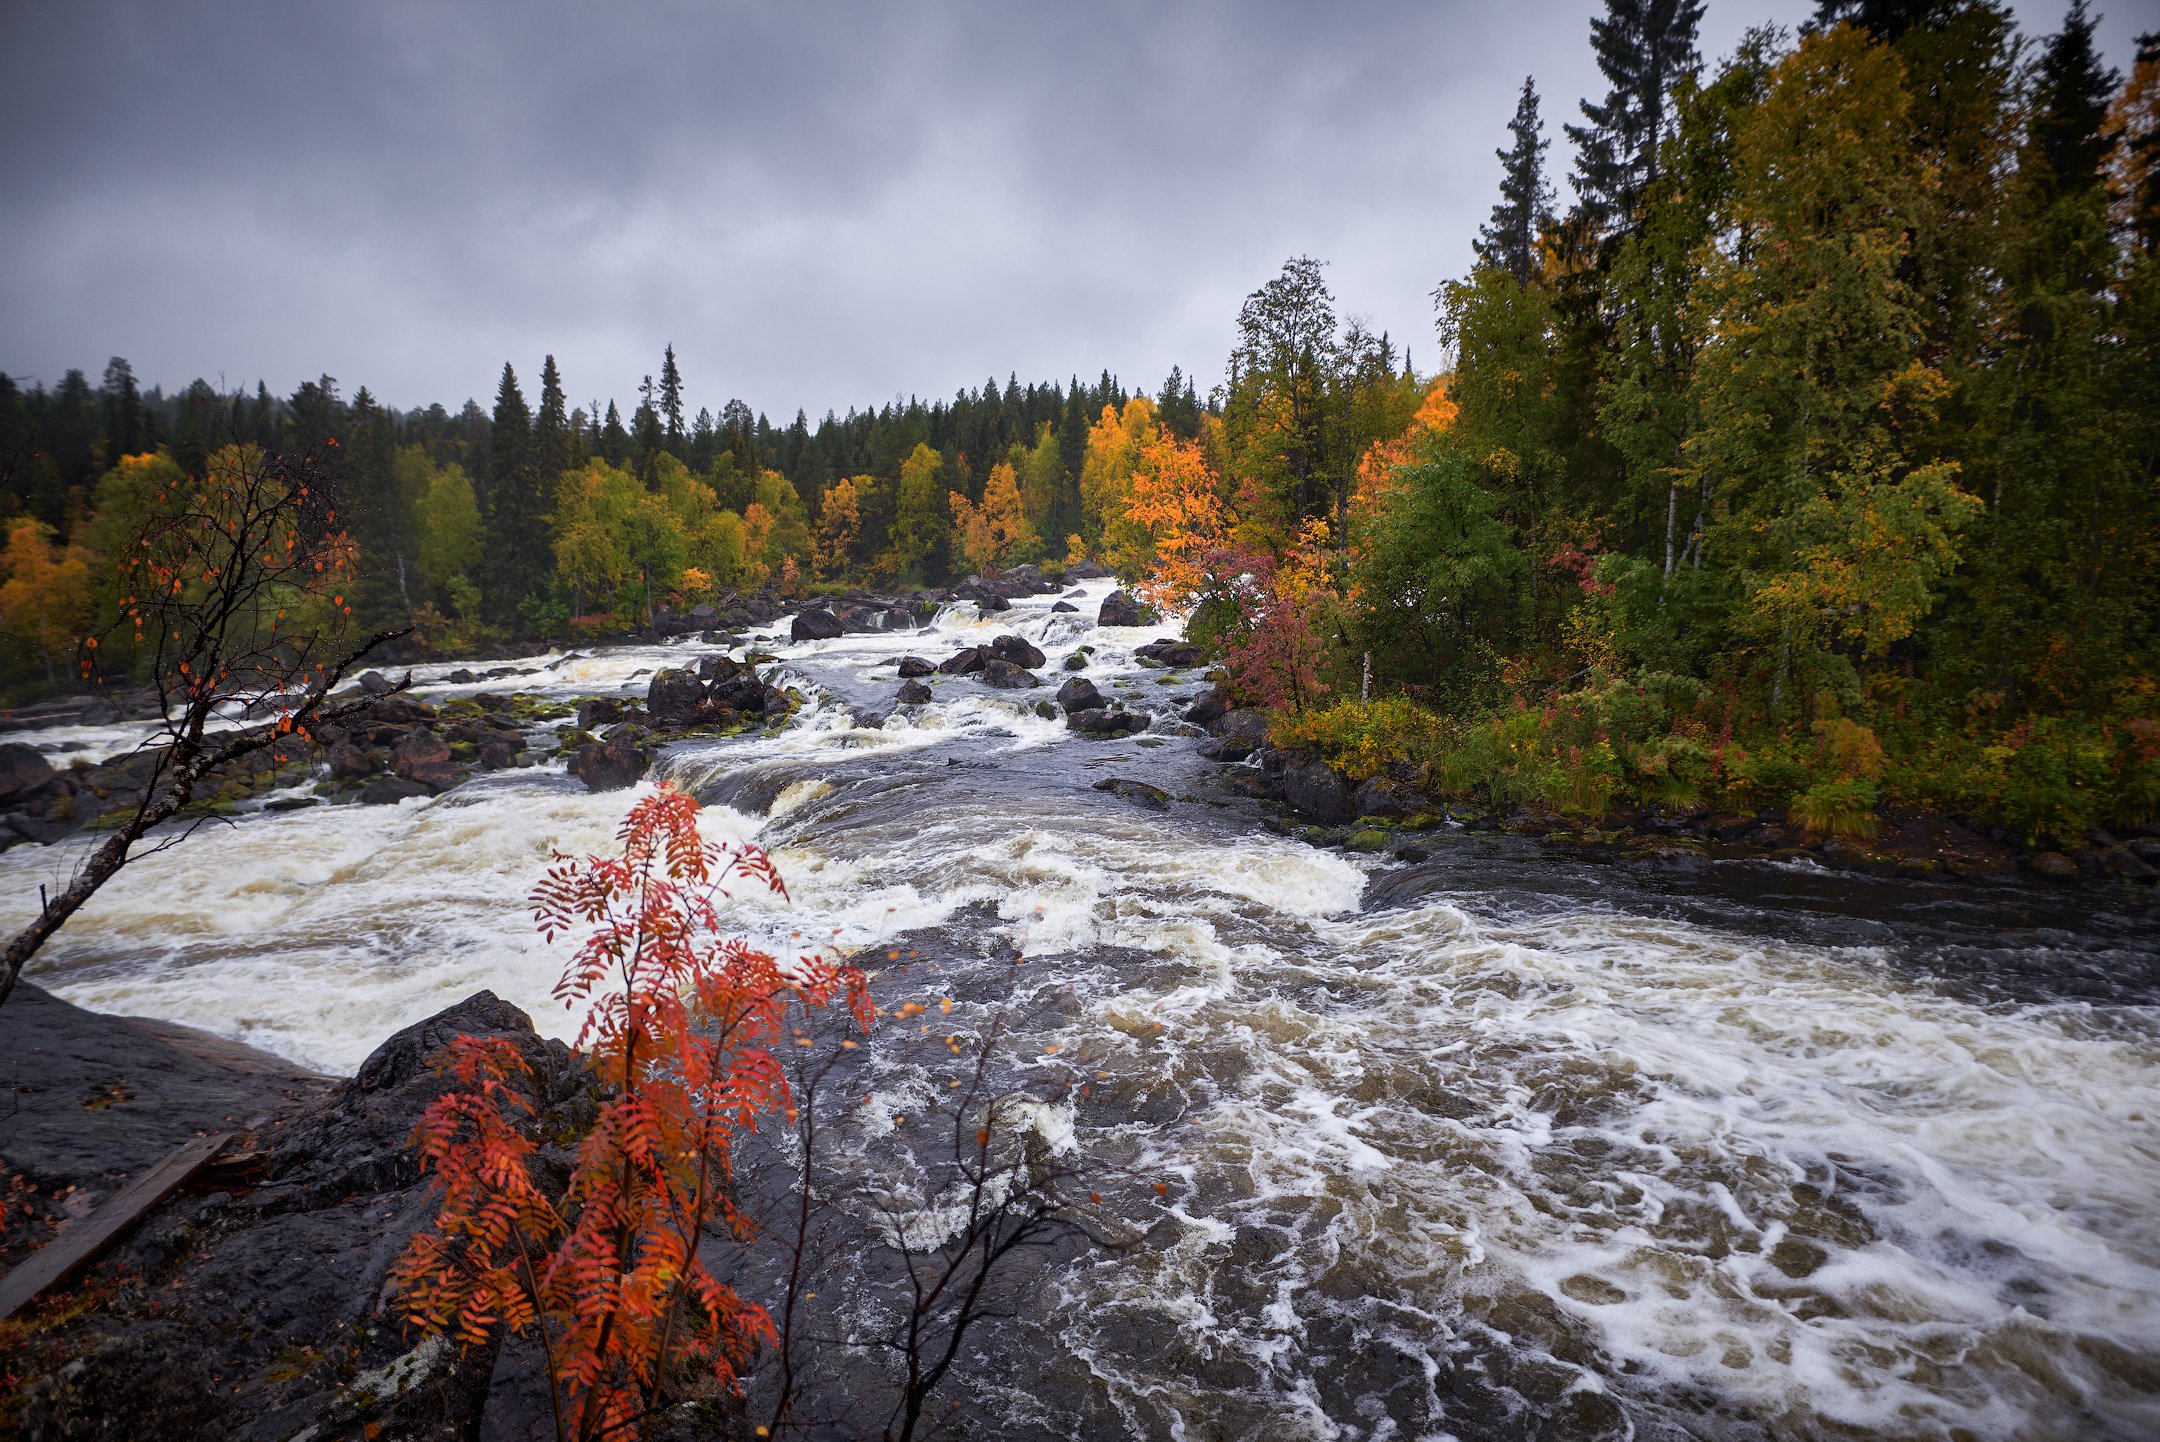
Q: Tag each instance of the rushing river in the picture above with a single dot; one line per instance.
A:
(1496, 1144)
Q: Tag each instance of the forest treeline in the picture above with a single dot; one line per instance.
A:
(1809, 458)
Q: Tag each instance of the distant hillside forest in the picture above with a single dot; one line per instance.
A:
(1810, 457)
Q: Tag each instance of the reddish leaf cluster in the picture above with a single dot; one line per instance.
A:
(680, 1042)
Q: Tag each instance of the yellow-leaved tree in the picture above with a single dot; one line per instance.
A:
(1113, 449)
(993, 534)
(44, 591)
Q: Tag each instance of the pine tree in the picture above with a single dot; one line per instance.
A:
(1642, 46)
(671, 402)
(1510, 239)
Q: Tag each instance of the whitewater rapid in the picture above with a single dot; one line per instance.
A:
(1491, 1144)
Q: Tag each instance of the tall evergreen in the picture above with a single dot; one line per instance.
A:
(1642, 47)
(613, 443)
(551, 431)
(2143, 157)
(671, 402)
(1510, 239)
(126, 430)
(2068, 140)
(517, 555)
(1886, 20)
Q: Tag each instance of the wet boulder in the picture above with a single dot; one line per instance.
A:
(744, 692)
(375, 683)
(1208, 707)
(963, 663)
(1003, 674)
(1120, 609)
(1386, 797)
(424, 757)
(385, 790)
(718, 667)
(674, 695)
(913, 666)
(609, 765)
(1152, 797)
(1171, 653)
(1106, 721)
(22, 768)
(1239, 733)
(1311, 786)
(498, 755)
(349, 762)
(1064, 606)
(1079, 694)
(1018, 651)
(816, 624)
(912, 693)
(1077, 661)
(596, 711)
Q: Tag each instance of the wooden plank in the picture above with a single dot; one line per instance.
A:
(63, 1258)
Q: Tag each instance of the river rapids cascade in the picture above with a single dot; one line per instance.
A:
(1488, 1144)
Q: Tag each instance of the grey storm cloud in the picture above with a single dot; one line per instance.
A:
(817, 205)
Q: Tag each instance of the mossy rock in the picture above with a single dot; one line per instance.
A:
(1370, 838)
(463, 751)
(463, 708)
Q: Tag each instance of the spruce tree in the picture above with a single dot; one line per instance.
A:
(517, 544)
(1509, 241)
(1886, 20)
(614, 442)
(551, 431)
(125, 431)
(671, 402)
(2068, 140)
(1642, 47)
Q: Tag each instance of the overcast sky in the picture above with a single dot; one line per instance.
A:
(818, 205)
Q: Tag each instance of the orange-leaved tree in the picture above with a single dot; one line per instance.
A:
(680, 1039)
(994, 532)
(1173, 521)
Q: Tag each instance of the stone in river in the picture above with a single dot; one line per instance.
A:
(1079, 694)
(1017, 651)
(816, 624)
(1006, 676)
(1120, 609)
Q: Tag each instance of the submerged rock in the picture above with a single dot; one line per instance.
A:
(913, 666)
(1152, 797)
(1109, 721)
(913, 693)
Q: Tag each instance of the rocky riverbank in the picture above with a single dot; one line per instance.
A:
(252, 1305)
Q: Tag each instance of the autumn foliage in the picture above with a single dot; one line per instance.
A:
(680, 1039)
